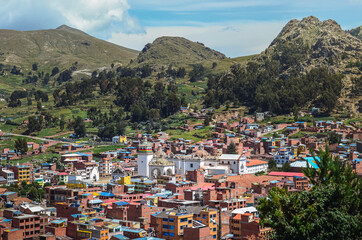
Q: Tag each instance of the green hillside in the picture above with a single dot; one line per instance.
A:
(176, 51)
(60, 47)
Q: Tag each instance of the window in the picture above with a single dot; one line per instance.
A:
(165, 234)
(172, 227)
(203, 216)
(165, 226)
(181, 227)
(191, 165)
(171, 234)
(171, 220)
(190, 221)
(214, 237)
(183, 220)
(165, 219)
(214, 229)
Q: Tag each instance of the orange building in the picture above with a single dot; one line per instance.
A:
(171, 224)
(244, 226)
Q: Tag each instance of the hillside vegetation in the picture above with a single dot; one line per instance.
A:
(176, 51)
(60, 47)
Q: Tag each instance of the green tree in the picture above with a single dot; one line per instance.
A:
(39, 106)
(272, 165)
(21, 146)
(61, 124)
(35, 67)
(334, 137)
(55, 71)
(330, 210)
(231, 149)
(79, 127)
(286, 167)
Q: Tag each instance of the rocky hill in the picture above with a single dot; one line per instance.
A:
(357, 32)
(176, 51)
(314, 43)
(311, 43)
(60, 47)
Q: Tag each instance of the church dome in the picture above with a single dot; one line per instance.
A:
(201, 153)
(162, 162)
(159, 154)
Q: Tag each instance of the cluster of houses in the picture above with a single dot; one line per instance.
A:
(158, 188)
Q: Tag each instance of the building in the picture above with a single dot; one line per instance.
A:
(186, 223)
(32, 225)
(119, 139)
(105, 167)
(62, 177)
(256, 165)
(8, 175)
(283, 156)
(246, 225)
(170, 224)
(145, 156)
(22, 173)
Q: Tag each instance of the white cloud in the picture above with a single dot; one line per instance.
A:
(97, 17)
(234, 39)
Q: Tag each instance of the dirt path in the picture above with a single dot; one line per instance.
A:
(59, 134)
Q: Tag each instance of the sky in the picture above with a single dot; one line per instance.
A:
(233, 27)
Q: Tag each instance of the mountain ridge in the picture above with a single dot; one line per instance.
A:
(60, 47)
(167, 50)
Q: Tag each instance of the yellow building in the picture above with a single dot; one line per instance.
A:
(302, 149)
(22, 173)
(294, 150)
(124, 180)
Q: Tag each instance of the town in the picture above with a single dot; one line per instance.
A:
(158, 187)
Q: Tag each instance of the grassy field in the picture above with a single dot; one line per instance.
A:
(196, 135)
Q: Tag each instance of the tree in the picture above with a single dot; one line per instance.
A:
(286, 167)
(39, 106)
(61, 124)
(333, 138)
(55, 71)
(79, 127)
(272, 165)
(197, 73)
(330, 210)
(231, 149)
(35, 67)
(21, 146)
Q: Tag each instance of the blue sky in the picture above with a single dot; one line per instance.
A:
(234, 27)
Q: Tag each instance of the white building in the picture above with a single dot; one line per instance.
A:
(236, 162)
(153, 165)
(283, 156)
(256, 165)
(8, 175)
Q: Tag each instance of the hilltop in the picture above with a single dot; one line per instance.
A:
(311, 63)
(60, 47)
(310, 43)
(314, 43)
(357, 32)
(176, 51)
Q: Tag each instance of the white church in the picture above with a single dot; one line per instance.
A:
(152, 165)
